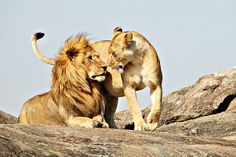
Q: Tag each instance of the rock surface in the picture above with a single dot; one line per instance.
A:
(7, 118)
(199, 120)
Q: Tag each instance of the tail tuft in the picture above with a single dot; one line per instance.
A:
(38, 35)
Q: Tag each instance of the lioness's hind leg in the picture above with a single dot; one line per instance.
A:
(156, 98)
(110, 109)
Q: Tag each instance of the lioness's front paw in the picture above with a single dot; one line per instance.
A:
(152, 120)
(140, 126)
(152, 126)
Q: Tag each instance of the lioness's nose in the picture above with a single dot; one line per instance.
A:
(104, 67)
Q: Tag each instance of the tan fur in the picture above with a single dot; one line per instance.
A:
(137, 61)
(75, 97)
(136, 66)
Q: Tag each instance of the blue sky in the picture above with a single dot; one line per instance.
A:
(192, 38)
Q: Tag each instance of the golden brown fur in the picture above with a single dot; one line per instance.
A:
(137, 66)
(75, 97)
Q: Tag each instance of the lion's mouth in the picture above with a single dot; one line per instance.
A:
(102, 74)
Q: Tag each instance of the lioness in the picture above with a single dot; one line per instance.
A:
(135, 58)
(75, 97)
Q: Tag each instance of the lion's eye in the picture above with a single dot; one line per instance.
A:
(91, 58)
(113, 54)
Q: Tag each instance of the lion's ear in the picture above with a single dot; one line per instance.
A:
(71, 53)
(116, 31)
(128, 38)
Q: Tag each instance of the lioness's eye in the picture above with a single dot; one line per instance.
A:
(91, 58)
(113, 54)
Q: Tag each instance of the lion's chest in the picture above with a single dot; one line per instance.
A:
(89, 104)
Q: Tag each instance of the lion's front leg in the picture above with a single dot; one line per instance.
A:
(156, 98)
(130, 95)
(82, 122)
(101, 121)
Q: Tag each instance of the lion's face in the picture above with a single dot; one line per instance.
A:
(82, 56)
(120, 51)
(95, 68)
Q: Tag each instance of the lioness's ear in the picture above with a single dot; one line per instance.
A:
(128, 38)
(116, 31)
(71, 53)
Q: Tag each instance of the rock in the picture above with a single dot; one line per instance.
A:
(199, 120)
(232, 105)
(7, 118)
(211, 136)
(221, 126)
(124, 120)
(211, 94)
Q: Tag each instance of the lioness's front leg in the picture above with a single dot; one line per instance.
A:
(130, 95)
(156, 98)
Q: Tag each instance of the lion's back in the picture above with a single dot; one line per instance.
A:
(40, 109)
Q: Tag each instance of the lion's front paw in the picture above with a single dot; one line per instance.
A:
(140, 126)
(101, 121)
(92, 124)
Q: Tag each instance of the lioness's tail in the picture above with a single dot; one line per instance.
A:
(43, 58)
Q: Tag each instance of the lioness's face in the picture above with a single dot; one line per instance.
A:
(95, 68)
(120, 52)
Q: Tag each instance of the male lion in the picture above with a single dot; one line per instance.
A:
(75, 97)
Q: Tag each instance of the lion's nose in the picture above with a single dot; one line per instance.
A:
(104, 67)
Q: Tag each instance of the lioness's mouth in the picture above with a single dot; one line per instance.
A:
(119, 68)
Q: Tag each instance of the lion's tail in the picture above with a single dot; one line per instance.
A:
(43, 58)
